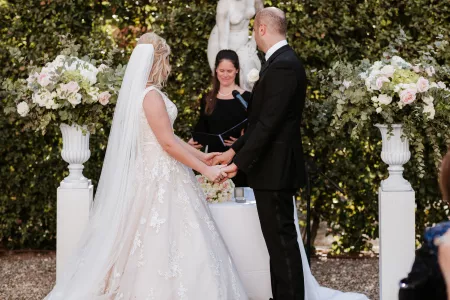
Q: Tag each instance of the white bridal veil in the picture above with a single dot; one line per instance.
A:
(93, 260)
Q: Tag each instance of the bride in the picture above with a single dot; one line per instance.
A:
(151, 234)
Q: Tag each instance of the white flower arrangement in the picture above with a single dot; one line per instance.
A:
(216, 192)
(66, 90)
(395, 78)
(392, 91)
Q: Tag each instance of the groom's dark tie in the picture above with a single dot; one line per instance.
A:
(263, 66)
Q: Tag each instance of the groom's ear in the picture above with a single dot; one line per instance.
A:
(262, 29)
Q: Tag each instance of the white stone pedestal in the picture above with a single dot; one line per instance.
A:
(73, 206)
(397, 239)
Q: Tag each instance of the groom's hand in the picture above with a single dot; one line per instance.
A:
(208, 158)
(231, 171)
(225, 158)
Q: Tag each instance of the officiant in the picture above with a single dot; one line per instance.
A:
(219, 109)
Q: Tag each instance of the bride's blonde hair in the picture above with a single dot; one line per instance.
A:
(161, 67)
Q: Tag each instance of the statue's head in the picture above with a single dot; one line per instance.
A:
(270, 27)
(161, 66)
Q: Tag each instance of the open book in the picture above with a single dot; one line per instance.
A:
(217, 141)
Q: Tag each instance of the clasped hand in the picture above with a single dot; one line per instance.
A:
(219, 168)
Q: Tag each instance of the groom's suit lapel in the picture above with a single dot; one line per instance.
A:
(264, 68)
(267, 63)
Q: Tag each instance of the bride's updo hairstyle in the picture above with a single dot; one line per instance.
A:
(161, 67)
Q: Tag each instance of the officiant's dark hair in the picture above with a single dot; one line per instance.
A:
(444, 177)
(211, 97)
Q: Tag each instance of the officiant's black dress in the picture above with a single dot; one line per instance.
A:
(226, 114)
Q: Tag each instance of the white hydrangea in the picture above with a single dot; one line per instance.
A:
(42, 97)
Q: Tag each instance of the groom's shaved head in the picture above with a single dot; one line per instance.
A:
(274, 18)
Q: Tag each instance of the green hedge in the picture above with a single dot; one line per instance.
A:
(320, 31)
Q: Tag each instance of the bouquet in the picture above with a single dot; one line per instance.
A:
(67, 90)
(393, 91)
(216, 192)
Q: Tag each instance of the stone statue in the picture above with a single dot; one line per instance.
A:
(232, 32)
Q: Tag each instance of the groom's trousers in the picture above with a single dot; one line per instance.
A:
(276, 215)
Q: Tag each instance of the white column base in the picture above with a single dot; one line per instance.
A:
(73, 206)
(397, 239)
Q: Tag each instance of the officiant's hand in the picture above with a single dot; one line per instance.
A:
(225, 158)
(195, 144)
(230, 142)
(231, 171)
(215, 173)
(208, 158)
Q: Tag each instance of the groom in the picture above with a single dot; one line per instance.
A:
(270, 152)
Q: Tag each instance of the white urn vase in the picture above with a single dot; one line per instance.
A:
(395, 153)
(75, 152)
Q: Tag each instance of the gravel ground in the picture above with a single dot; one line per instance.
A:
(30, 276)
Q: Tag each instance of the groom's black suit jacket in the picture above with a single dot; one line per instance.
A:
(270, 152)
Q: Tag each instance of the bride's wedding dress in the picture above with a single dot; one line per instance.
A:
(160, 241)
(172, 247)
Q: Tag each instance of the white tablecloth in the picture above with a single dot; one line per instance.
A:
(239, 225)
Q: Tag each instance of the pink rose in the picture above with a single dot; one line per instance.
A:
(71, 87)
(408, 96)
(380, 81)
(43, 79)
(416, 68)
(423, 85)
(103, 98)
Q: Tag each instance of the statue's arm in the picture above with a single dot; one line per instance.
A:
(223, 23)
(259, 4)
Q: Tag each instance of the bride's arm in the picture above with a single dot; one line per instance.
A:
(197, 153)
(158, 119)
(207, 158)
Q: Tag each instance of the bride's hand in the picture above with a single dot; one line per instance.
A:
(207, 158)
(215, 173)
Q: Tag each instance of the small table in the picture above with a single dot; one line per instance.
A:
(239, 226)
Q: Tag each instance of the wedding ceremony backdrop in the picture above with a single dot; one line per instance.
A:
(322, 33)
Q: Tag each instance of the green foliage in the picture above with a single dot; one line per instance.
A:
(321, 32)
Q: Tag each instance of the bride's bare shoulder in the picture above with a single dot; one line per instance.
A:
(152, 98)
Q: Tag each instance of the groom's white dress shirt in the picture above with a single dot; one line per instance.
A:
(275, 48)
